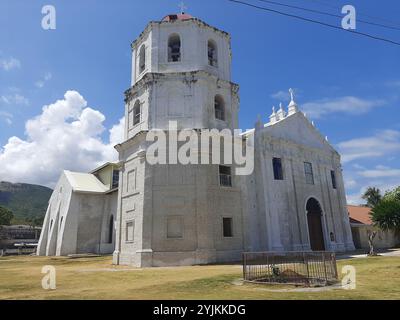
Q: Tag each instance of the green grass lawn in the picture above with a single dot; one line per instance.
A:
(97, 278)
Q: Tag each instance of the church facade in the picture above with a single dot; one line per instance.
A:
(182, 214)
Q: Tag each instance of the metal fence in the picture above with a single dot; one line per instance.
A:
(310, 268)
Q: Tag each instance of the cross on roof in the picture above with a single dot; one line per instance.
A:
(182, 7)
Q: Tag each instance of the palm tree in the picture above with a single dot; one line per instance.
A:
(372, 195)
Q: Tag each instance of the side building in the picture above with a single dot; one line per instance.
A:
(81, 213)
(362, 226)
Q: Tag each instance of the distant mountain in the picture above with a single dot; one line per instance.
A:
(28, 202)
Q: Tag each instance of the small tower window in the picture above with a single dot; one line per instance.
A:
(136, 113)
(225, 176)
(277, 166)
(142, 58)
(212, 53)
(333, 178)
(219, 108)
(174, 48)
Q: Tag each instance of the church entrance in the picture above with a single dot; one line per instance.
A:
(314, 214)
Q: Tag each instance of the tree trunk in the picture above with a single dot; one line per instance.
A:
(371, 236)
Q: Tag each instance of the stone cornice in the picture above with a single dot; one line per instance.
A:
(189, 76)
(131, 141)
(197, 21)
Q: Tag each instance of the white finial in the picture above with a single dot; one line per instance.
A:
(326, 138)
(273, 117)
(312, 122)
(292, 108)
(291, 94)
(281, 113)
(182, 7)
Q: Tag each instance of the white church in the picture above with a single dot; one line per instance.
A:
(184, 214)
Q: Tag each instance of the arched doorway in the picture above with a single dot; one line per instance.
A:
(314, 215)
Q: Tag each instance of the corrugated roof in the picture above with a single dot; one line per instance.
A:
(85, 182)
(103, 166)
(360, 214)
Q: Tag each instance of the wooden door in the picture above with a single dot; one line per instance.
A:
(315, 231)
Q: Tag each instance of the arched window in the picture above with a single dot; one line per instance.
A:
(111, 229)
(142, 58)
(219, 108)
(136, 113)
(174, 48)
(212, 53)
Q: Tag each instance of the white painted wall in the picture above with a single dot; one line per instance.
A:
(194, 35)
(76, 222)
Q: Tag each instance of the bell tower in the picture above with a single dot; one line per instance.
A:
(171, 214)
(181, 71)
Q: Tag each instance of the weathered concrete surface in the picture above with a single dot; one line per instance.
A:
(172, 214)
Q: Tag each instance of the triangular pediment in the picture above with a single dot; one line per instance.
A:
(298, 129)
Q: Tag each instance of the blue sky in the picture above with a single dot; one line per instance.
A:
(349, 85)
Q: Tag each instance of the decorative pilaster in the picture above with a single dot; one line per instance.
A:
(272, 219)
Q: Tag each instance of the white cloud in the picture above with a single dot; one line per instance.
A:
(384, 143)
(356, 182)
(284, 95)
(395, 83)
(348, 104)
(66, 135)
(281, 95)
(350, 183)
(9, 64)
(356, 197)
(6, 116)
(382, 146)
(40, 83)
(117, 132)
(48, 76)
(14, 99)
(380, 172)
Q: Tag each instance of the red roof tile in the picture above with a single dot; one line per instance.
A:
(360, 214)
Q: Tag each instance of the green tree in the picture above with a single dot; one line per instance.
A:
(372, 195)
(5, 216)
(393, 194)
(386, 214)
